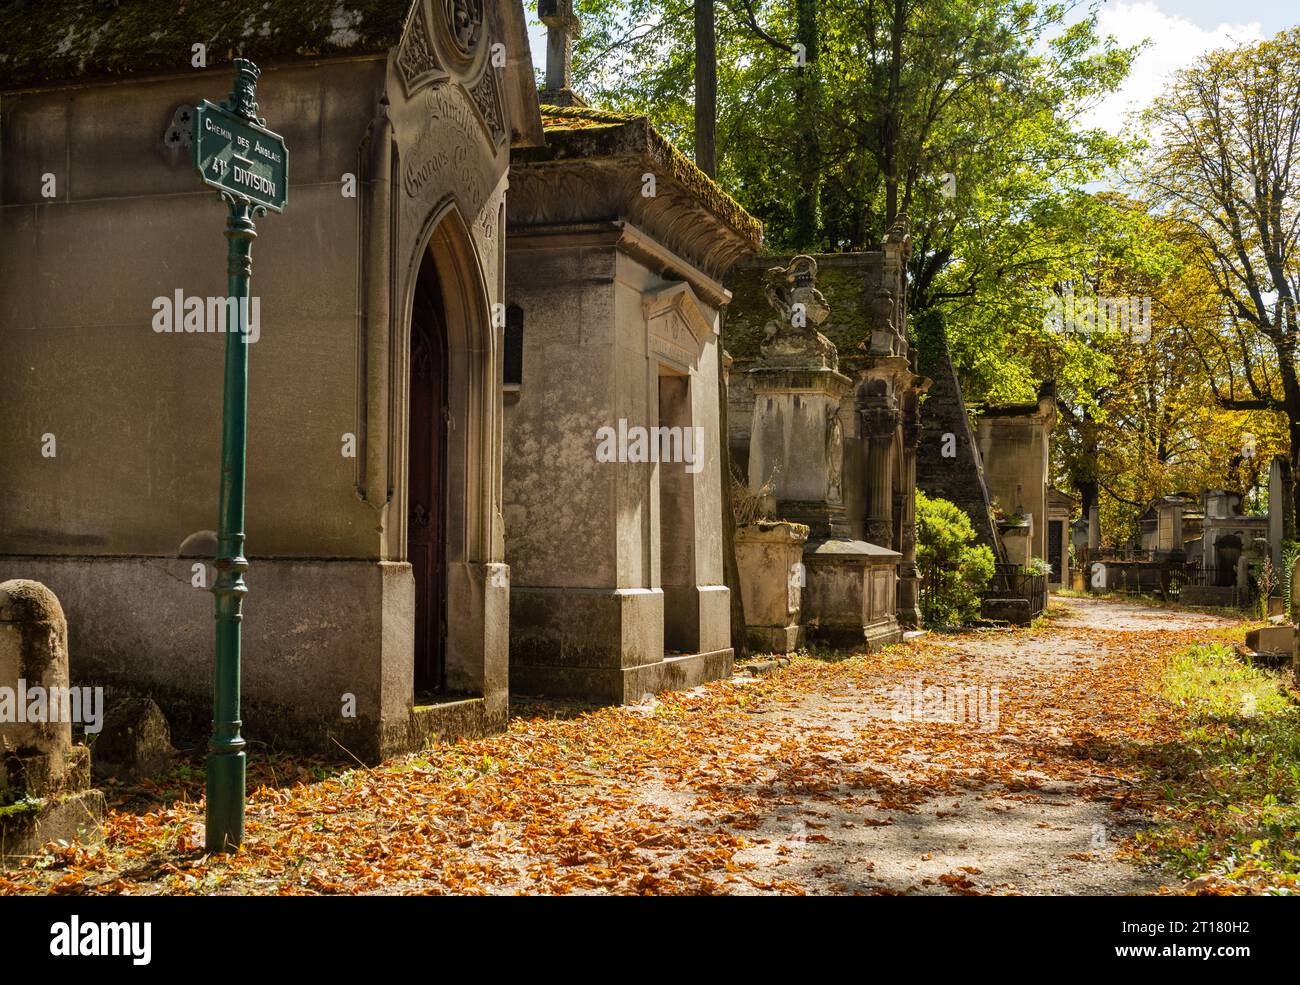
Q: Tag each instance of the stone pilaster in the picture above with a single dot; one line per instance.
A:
(879, 426)
(909, 583)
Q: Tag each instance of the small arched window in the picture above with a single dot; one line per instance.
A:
(512, 372)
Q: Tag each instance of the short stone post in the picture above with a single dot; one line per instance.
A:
(44, 779)
(770, 557)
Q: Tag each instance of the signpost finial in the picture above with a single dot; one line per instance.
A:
(242, 100)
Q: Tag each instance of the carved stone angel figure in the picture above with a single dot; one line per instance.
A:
(792, 293)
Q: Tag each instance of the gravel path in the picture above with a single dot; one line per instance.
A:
(1049, 836)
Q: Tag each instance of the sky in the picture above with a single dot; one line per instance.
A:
(1178, 30)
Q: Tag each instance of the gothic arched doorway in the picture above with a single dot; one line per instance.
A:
(427, 477)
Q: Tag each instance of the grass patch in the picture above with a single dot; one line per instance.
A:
(1229, 788)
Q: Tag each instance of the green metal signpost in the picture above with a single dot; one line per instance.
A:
(248, 164)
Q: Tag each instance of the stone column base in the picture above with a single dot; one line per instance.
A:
(72, 817)
(606, 645)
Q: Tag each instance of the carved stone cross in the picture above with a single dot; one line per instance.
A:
(562, 27)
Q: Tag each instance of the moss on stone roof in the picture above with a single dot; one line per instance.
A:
(559, 118)
(45, 42)
(586, 132)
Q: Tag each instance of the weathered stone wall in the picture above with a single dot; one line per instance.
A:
(136, 414)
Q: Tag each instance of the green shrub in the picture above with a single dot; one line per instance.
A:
(954, 569)
(1036, 567)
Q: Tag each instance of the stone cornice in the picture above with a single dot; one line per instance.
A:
(594, 168)
(786, 379)
(627, 239)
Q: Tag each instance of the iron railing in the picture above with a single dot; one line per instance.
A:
(1010, 581)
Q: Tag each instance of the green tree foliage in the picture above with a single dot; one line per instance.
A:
(1139, 424)
(833, 115)
(955, 568)
(862, 107)
(1225, 177)
(963, 113)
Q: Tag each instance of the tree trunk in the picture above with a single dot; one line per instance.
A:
(706, 89)
(1285, 348)
(1289, 521)
(1087, 495)
(807, 98)
(892, 112)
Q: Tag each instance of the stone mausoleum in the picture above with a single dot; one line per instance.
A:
(1015, 452)
(378, 609)
(618, 250)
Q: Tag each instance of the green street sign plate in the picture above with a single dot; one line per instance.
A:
(240, 157)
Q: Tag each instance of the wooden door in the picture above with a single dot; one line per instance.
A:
(426, 495)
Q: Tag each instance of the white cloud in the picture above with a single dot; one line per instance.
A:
(1176, 42)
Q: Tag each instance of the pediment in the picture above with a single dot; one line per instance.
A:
(679, 326)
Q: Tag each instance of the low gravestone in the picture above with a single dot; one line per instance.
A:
(44, 779)
(1277, 642)
(135, 743)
